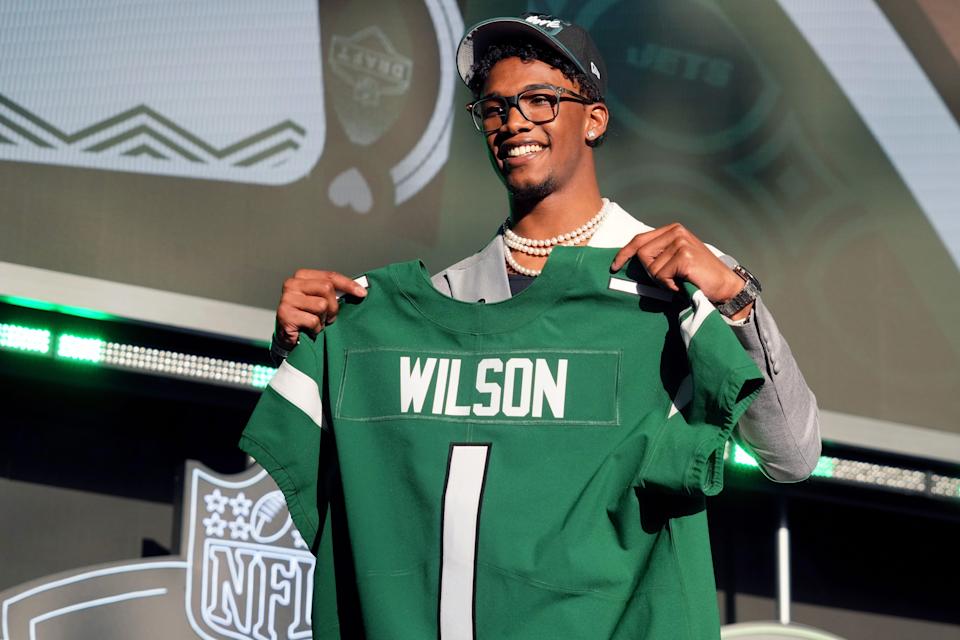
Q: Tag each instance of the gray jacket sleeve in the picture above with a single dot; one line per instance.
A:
(781, 429)
(782, 426)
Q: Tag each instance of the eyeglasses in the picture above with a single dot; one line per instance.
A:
(539, 104)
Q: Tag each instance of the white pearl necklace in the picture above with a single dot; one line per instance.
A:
(529, 246)
(519, 268)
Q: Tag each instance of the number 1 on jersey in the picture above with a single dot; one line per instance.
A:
(460, 526)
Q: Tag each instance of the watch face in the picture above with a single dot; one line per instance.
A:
(749, 277)
(749, 293)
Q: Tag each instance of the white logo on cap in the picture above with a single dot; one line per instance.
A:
(549, 24)
(593, 68)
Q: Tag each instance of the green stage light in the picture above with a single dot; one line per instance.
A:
(18, 338)
(262, 375)
(825, 467)
(184, 365)
(742, 458)
(132, 357)
(230, 373)
(82, 349)
(79, 312)
(867, 474)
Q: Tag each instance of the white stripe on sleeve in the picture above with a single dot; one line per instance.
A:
(683, 397)
(300, 390)
(702, 307)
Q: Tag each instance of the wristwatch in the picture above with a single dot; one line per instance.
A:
(751, 289)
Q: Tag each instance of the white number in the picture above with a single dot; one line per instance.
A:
(466, 474)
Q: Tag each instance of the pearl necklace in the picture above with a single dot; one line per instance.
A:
(529, 246)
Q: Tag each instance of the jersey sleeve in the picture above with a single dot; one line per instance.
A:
(721, 382)
(286, 434)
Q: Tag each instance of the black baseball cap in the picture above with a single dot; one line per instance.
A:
(570, 40)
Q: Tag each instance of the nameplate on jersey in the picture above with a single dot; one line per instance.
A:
(557, 386)
(640, 290)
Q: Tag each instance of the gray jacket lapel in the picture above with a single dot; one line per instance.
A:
(481, 276)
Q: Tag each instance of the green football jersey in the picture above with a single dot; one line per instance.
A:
(531, 468)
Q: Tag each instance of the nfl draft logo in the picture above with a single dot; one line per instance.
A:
(249, 574)
(243, 572)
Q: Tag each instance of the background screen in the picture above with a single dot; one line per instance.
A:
(173, 161)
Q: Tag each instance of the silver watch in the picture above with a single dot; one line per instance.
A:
(751, 289)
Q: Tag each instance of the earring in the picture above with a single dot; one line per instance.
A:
(591, 134)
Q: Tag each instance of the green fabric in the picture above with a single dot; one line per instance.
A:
(591, 519)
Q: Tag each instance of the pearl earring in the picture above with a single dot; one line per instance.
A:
(590, 134)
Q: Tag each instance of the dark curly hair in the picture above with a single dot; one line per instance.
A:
(526, 51)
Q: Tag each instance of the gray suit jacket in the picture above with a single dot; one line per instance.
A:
(781, 428)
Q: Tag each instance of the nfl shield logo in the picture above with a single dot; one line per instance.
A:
(249, 573)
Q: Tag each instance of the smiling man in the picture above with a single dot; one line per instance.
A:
(539, 85)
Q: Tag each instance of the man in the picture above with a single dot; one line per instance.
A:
(539, 84)
(495, 511)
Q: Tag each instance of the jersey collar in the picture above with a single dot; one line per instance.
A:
(413, 281)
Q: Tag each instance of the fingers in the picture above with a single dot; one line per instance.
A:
(318, 305)
(623, 256)
(346, 284)
(654, 247)
(313, 295)
(669, 254)
(670, 263)
(291, 322)
(642, 245)
(309, 301)
(685, 258)
(314, 282)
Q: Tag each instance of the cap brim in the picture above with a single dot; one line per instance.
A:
(475, 43)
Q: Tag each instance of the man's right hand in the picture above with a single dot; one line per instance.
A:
(309, 302)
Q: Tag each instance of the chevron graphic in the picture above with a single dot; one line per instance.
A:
(144, 133)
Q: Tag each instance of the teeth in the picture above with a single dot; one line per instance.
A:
(523, 150)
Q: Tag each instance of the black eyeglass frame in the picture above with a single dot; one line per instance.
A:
(562, 94)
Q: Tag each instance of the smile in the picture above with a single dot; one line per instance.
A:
(524, 150)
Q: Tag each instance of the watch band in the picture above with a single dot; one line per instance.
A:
(277, 353)
(751, 289)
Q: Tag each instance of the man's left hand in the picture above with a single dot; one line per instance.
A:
(672, 254)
